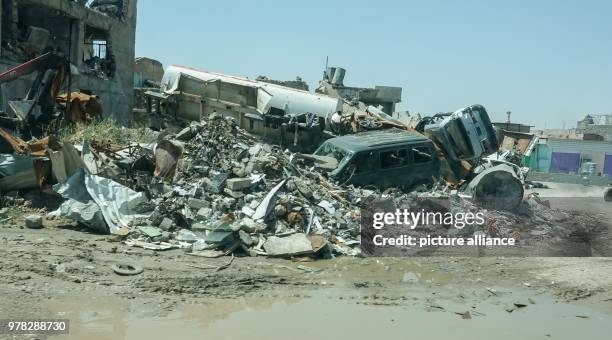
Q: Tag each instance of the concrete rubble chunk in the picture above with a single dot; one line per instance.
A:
(33, 221)
(197, 204)
(293, 245)
(245, 238)
(166, 224)
(204, 212)
(187, 236)
(217, 183)
(238, 184)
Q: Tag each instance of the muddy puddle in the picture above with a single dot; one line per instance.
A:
(343, 311)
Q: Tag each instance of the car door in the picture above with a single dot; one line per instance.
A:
(393, 165)
(363, 168)
(425, 164)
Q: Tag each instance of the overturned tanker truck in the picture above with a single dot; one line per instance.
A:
(355, 142)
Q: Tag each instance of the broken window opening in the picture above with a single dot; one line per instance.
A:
(25, 35)
(276, 111)
(393, 158)
(364, 163)
(97, 55)
(99, 48)
(421, 155)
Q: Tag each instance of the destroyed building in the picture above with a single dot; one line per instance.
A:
(384, 97)
(600, 125)
(274, 112)
(148, 74)
(282, 114)
(97, 38)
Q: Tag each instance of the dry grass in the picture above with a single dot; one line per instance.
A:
(107, 130)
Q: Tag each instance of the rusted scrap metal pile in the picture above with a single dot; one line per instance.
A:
(43, 108)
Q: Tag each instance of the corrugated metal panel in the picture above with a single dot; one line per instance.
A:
(539, 160)
(578, 145)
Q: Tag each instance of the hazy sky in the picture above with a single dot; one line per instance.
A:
(549, 62)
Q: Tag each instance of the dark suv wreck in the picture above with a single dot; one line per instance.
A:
(383, 158)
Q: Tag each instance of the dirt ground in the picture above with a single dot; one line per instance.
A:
(64, 271)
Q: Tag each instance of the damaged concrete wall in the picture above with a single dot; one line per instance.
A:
(147, 69)
(100, 44)
(332, 84)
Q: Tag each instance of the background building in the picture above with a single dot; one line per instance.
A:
(596, 125)
(571, 156)
(98, 37)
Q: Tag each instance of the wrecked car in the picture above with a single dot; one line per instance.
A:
(465, 134)
(383, 158)
(463, 137)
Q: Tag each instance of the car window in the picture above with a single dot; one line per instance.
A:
(422, 155)
(330, 150)
(364, 163)
(393, 158)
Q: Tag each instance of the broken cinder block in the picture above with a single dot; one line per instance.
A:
(33, 222)
(238, 184)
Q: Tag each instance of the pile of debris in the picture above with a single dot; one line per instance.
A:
(214, 189)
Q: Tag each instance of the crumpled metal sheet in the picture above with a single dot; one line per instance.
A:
(118, 205)
(19, 172)
(18, 145)
(79, 205)
(84, 108)
(13, 164)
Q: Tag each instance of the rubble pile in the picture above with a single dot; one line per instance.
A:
(230, 187)
(214, 189)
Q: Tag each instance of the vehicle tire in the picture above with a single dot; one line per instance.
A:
(127, 269)
(370, 124)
